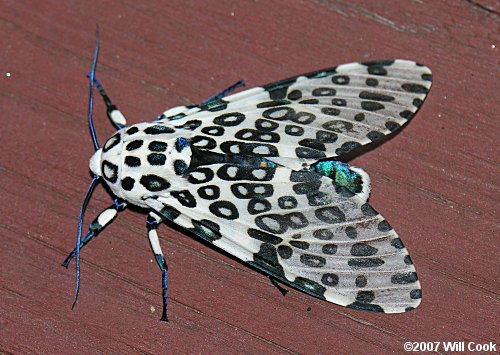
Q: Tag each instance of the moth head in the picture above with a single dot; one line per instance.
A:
(106, 160)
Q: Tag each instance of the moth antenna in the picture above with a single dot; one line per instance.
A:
(91, 94)
(79, 235)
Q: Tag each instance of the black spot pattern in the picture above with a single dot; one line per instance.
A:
(325, 91)
(347, 147)
(273, 103)
(338, 126)
(266, 125)
(415, 294)
(224, 209)
(241, 148)
(371, 106)
(157, 146)
(309, 153)
(329, 249)
(306, 187)
(365, 307)
(157, 159)
(351, 232)
(303, 118)
(159, 129)
(404, 278)
(415, 88)
(133, 162)
(384, 226)
(312, 260)
(408, 260)
(339, 102)
(200, 176)
(407, 114)
(293, 130)
(279, 113)
(365, 262)
(362, 249)
(272, 223)
(375, 135)
(295, 95)
(185, 198)
(209, 192)
(109, 171)
(330, 111)
(326, 137)
(264, 237)
(340, 79)
(249, 190)
(230, 119)
(154, 183)
(375, 96)
(213, 130)
(392, 126)
(323, 234)
(330, 214)
(287, 202)
(258, 205)
(309, 102)
(285, 251)
(231, 172)
(203, 142)
(128, 183)
(361, 281)
(368, 210)
(359, 117)
(396, 243)
(365, 296)
(377, 70)
(299, 244)
(180, 167)
(112, 142)
(371, 82)
(132, 130)
(330, 279)
(257, 136)
(190, 125)
(134, 145)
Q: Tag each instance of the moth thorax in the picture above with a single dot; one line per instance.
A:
(95, 163)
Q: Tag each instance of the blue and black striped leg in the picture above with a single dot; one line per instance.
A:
(114, 115)
(96, 227)
(223, 93)
(152, 223)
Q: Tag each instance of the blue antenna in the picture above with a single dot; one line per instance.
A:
(95, 179)
(91, 95)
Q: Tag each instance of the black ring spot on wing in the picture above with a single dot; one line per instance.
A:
(229, 119)
(154, 183)
(224, 209)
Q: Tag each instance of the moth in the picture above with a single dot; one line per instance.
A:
(260, 175)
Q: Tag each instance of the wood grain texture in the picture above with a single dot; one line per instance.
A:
(436, 182)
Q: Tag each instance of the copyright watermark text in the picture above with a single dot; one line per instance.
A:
(452, 346)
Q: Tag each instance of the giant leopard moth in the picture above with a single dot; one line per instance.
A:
(258, 174)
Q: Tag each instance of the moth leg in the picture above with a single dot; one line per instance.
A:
(152, 223)
(278, 286)
(114, 115)
(103, 219)
(223, 93)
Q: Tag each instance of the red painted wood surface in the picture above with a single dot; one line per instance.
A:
(437, 181)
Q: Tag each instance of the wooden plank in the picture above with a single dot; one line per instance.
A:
(437, 181)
